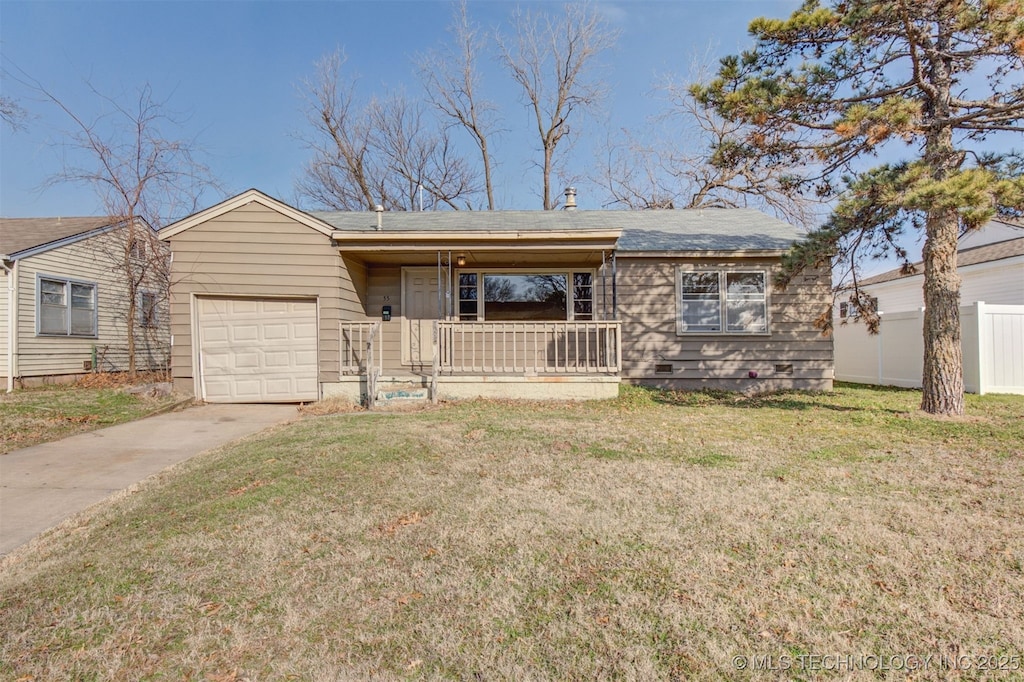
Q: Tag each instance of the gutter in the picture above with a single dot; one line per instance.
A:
(11, 268)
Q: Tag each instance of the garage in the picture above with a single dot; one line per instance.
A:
(257, 350)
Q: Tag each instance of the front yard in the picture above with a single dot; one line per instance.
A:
(48, 413)
(660, 536)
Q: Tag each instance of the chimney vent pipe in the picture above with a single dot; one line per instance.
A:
(570, 199)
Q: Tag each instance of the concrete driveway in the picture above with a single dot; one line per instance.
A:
(43, 485)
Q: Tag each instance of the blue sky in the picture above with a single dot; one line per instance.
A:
(233, 70)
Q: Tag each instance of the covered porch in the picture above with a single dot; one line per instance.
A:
(511, 314)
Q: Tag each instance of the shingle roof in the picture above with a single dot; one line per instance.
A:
(721, 229)
(20, 234)
(978, 254)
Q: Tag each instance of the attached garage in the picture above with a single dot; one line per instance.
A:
(253, 350)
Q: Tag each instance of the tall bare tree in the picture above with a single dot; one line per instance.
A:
(338, 176)
(698, 159)
(416, 155)
(553, 60)
(144, 179)
(452, 81)
(381, 152)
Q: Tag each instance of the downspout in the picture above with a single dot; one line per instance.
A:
(11, 268)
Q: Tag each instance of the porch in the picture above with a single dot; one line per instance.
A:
(511, 310)
(574, 360)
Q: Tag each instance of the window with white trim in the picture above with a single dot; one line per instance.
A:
(65, 307)
(722, 301)
(526, 296)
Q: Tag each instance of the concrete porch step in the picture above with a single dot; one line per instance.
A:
(396, 391)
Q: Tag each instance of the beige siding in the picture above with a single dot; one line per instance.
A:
(90, 261)
(384, 287)
(648, 309)
(254, 251)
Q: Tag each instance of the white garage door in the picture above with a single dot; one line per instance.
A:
(257, 351)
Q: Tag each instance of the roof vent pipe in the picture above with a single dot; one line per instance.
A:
(570, 199)
(380, 216)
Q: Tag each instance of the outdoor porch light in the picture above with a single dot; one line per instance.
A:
(460, 260)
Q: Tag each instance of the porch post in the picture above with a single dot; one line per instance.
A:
(615, 300)
(604, 287)
(440, 289)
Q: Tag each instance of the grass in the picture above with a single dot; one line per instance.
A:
(654, 537)
(37, 415)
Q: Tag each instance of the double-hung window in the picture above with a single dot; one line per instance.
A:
(525, 296)
(65, 307)
(722, 302)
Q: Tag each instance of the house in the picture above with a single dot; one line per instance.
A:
(271, 303)
(990, 262)
(63, 305)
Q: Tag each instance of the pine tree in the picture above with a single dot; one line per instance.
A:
(931, 81)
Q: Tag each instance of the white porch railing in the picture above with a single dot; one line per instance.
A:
(528, 347)
(358, 356)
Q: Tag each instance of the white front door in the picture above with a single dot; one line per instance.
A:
(420, 307)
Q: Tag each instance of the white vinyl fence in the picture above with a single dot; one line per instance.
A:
(992, 341)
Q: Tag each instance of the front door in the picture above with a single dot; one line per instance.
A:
(421, 306)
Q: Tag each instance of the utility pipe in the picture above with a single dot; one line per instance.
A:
(12, 319)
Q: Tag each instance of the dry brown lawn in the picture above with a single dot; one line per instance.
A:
(47, 413)
(660, 536)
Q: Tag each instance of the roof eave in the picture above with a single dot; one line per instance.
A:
(478, 240)
(704, 253)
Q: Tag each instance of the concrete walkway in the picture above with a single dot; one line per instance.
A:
(43, 485)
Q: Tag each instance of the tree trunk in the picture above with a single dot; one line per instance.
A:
(943, 379)
(487, 172)
(943, 376)
(549, 151)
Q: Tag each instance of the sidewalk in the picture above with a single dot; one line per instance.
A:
(43, 485)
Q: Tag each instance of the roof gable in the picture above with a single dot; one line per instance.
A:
(19, 236)
(245, 198)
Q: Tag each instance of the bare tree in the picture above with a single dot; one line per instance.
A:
(338, 176)
(144, 180)
(552, 60)
(452, 82)
(416, 155)
(700, 160)
(12, 113)
(382, 152)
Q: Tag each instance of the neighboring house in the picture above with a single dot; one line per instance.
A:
(991, 266)
(270, 303)
(63, 303)
(990, 262)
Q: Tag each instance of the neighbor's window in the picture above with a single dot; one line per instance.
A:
(504, 296)
(137, 249)
(66, 308)
(722, 302)
(148, 309)
(848, 309)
